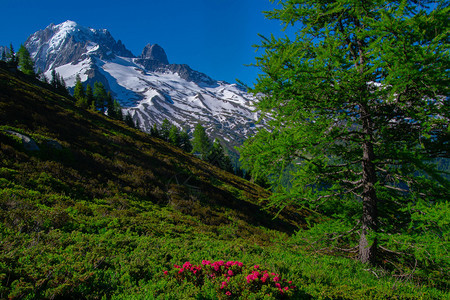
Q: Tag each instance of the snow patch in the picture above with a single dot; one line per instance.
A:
(69, 72)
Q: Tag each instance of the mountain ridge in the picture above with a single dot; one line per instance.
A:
(149, 87)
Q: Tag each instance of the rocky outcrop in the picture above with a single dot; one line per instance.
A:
(28, 143)
(155, 52)
(31, 145)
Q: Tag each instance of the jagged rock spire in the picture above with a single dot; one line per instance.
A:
(155, 52)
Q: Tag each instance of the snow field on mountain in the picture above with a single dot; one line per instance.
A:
(184, 93)
(69, 72)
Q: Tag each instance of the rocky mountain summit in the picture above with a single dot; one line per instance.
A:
(68, 42)
(155, 52)
(147, 86)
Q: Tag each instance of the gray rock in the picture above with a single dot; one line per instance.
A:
(27, 141)
(155, 52)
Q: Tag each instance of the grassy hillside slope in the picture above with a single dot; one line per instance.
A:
(101, 210)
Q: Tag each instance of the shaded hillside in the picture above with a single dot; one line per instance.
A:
(94, 191)
(101, 157)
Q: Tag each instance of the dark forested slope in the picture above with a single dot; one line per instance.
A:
(88, 205)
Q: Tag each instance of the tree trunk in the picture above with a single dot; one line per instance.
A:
(367, 252)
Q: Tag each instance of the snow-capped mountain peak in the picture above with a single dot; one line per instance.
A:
(149, 87)
(69, 42)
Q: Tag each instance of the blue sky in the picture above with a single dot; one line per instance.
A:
(212, 36)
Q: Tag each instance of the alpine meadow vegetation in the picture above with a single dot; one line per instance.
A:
(359, 115)
(101, 210)
(354, 154)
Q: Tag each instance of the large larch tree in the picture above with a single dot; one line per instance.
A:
(358, 112)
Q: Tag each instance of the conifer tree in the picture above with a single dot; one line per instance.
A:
(129, 120)
(90, 100)
(25, 63)
(100, 96)
(62, 88)
(82, 102)
(110, 106)
(218, 158)
(165, 130)
(58, 83)
(118, 110)
(11, 57)
(185, 141)
(354, 101)
(154, 131)
(174, 136)
(54, 79)
(78, 92)
(200, 142)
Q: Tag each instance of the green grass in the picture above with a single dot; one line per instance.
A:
(104, 216)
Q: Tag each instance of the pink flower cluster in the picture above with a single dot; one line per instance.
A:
(223, 272)
(266, 278)
(189, 271)
(221, 265)
(186, 267)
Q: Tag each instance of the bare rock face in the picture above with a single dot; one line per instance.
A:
(155, 52)
(153, 58)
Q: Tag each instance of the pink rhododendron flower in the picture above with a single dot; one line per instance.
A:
(187, 265)
(249, 278)
(228, 270)
(264, 278)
